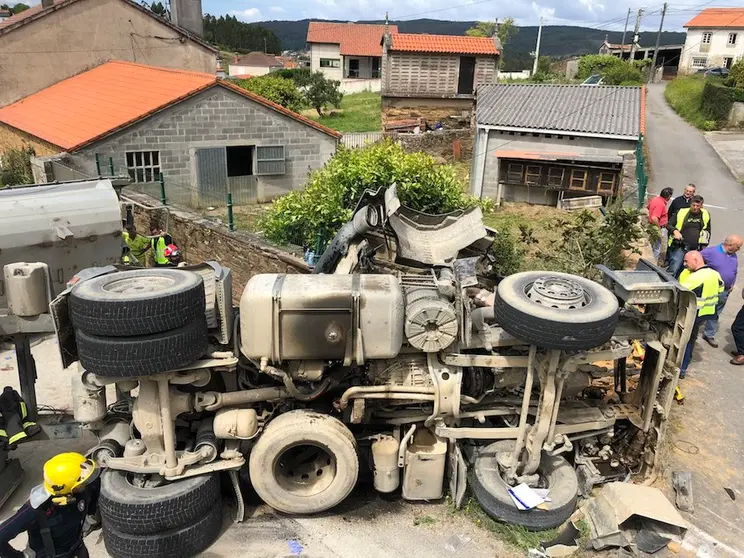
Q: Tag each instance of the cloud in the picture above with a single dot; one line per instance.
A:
(277, 9)
(249, 14)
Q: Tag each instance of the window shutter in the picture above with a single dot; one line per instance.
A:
(270, 159)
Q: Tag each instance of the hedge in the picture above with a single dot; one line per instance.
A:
(718, 100)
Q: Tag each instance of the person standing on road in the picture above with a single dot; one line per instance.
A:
(737, 330)
(724, 260)
(707, 285)
(657, 216)
(681, 202)
(689, 230)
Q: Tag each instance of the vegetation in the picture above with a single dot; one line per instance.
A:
(321, 91)
(504, 30)
(717, 101)
(515, 535)
(16, 166)
(360, 112)
(15, 8)
(158, 9)
(685, 96)
(279, 90)
(736, 77)
(233, 34)
(332, 192)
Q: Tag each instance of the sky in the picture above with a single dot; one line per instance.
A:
(599, 14)
(603, 14)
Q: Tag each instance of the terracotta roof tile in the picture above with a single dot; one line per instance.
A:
(718, 18)
(25, 14)
(355, 39)
(84, 108)
(259, 59)
(452, 44)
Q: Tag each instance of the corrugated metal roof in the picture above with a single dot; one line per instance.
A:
(589, 109)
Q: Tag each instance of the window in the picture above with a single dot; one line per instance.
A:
(699, 62)
(578, 179)
(514, 173)
(728, 62)
(239, 160)
(732, 39)
(330, 63)
(606, 182)
(707, 37)
(555, 176)
(270, 160)
(143, 166)
(533, 176)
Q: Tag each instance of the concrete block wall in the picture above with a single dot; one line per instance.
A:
(214, 118)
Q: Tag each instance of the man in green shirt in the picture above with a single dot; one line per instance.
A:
(138, 244)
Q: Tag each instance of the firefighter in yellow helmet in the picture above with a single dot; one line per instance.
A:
(58, 512)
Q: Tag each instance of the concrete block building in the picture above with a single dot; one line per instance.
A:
(205, 135)
(544, 143)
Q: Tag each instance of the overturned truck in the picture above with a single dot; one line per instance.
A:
(402, 357)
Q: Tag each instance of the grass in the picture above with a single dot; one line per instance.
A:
(685, 96)
(514, 535)
(359, 112)
(424, 520)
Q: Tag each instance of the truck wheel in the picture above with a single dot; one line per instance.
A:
(491, 490)
(138, 302)
(304, 463)
(136, 510)
(129, 357)
(181, 542)
(556, 310)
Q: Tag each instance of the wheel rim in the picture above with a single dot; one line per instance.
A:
(557, 292)
(139, 285)
(305, 469)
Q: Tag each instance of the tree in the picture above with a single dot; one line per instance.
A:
(234, 35)
(16, 166)
(736, 77)
(279, 90)
(321, 91)
(543, 65)
(504, 30)
(15, 9)
(158, 9)
(483, 29)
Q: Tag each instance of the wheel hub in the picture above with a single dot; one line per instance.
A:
(557, 292)
(305, 470)
(139, 285)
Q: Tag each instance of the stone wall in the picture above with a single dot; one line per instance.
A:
(12, 138)
(202, 239)
(439, 143)
(452, 113)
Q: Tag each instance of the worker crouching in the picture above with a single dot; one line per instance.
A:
(59, 512)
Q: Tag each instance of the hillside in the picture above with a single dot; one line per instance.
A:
(557, 41)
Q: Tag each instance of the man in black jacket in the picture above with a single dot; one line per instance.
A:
(681, 202)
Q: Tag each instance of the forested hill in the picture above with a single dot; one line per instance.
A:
(557, 41)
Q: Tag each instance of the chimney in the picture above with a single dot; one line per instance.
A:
(47, 3)
(188, 14)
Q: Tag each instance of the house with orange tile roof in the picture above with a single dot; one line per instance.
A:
(255, 64)
(57, 39)
(432, 76)
(206, 136)
(715, 38)
(350, 53)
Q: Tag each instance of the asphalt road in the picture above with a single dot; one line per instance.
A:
(707, 434)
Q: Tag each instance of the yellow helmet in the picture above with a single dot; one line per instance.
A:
(67, 472)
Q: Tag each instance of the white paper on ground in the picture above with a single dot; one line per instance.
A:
(524, 497)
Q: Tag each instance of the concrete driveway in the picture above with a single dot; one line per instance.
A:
(707, 434)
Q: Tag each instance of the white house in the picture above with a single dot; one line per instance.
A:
(715, 37)
(348, 52)
(255, 64)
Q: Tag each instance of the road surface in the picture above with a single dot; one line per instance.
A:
(707, 434)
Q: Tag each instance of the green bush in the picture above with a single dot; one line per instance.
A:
(622, 74)
(598, 64)
(279, 90)
(685, 96)
(332, 192)
(736, 76)
(16, 166)
(716, 102)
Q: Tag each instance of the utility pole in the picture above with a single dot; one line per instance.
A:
(537, 47)
(634, 46)
(658, 40)
(625, 32)
(265, 48)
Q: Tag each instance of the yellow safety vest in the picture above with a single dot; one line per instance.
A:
(158, 251)
(712, 285)
(682, 215)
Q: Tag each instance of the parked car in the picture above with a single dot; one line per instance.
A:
(595, 79)
(718, 71)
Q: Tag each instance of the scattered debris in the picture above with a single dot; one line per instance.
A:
(565, 544)
(651, 542)
(731, 493)
(678, 396)
(682, 483)
(674, 547)
(295, 547)
(525, 498)
(456, 542)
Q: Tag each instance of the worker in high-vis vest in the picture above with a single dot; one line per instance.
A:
(160, 241)
(15, 424)
(690, 230)
(707, 285)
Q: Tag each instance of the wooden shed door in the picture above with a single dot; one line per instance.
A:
(467, 75)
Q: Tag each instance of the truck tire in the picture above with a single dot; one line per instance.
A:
(137, 302)
(129, 357)
(490, 490)
(304, 463)
(556, 310)
(135, 510)
(181, 542)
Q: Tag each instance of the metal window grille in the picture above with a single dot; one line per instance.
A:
(270, 159)
(143, 166)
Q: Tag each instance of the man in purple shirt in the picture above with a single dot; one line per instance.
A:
(724, 260)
